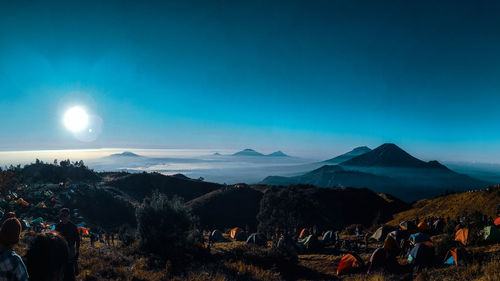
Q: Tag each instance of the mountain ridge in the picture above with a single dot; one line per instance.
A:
(390, 155)
(348, 155)
(251, 152)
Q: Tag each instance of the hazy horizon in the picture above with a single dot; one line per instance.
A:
(15, 157)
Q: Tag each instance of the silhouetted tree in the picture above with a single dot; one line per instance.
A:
(287, 209)
(164, 225)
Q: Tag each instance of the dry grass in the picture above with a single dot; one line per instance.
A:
(489, 271)
(102, 263)
(125, 263)
(484, 201)
(251, 271)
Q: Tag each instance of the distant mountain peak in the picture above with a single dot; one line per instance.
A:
(349, 155)
(125, 154)
(389, 145)
(278, 153)
(248, 152)
(388, 155)
(362, 149)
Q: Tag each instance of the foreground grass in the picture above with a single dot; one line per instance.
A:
(126, 263)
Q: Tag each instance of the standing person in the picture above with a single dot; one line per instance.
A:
(12, 267)
(367, 238)
(112, 239)
(70, 232)
(46, 257)
(106, 238)
(93, 238)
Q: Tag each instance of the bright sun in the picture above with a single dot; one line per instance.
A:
(76, 119)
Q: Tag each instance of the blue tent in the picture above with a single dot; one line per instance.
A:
(418, 238)
(450, 261)
(421, 255)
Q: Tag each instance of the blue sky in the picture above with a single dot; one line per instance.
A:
(307, 77)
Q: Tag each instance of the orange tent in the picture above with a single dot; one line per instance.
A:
(349, 262)
(497, 221)
(462, 235)
(304, 233)
(423, 226)
(234, 232)
(455, 257)
(83, 230)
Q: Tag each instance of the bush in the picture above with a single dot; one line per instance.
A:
(126, 235)
(287, 209)
(163, 227)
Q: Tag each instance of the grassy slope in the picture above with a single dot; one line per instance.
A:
(125, 263)
(484, 201)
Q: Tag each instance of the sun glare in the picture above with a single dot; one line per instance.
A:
(76, 119)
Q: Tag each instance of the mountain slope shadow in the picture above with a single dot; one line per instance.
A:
(141, 185)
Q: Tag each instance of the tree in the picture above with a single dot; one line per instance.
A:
(65, 163)
(164, 225)
(287, 209)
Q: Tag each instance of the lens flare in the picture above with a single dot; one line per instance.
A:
(76, 119)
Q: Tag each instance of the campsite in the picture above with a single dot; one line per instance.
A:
(249, 140)
(283, 233)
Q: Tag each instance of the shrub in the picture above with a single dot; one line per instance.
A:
(126, 235)
(287, 209)
(163, 227)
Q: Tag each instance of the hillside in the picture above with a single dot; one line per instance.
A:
(396, 204)
(485, 201)
(334, 208)
(226, 207)
(335, 176)
(141, 185)
(387, 169)
(348, 155)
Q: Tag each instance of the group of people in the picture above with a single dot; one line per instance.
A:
(51, 255)
(107, 238)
